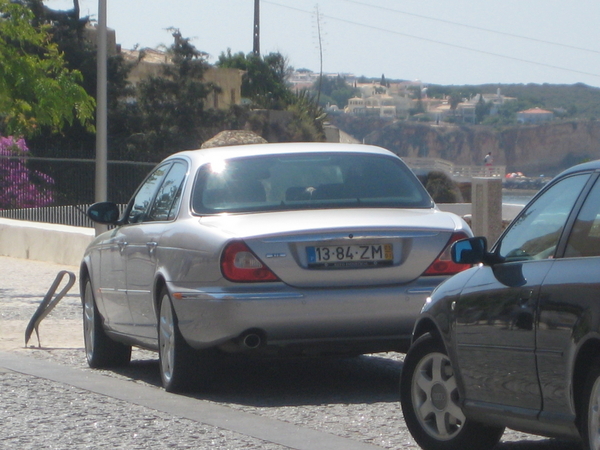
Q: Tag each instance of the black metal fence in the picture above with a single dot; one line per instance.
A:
(59, 190)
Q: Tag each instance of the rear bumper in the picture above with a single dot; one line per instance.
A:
(363, 319)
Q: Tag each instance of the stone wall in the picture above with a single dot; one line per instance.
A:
(532, 149)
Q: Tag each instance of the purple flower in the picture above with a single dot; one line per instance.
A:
(17, 190)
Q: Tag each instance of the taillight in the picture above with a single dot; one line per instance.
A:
(444, 265)
(239, 264)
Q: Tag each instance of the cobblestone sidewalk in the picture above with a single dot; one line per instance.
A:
(354, 399)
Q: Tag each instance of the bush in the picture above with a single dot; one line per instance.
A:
(441, 188)
(21, 187)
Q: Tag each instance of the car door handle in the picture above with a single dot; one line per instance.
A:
(525, 297)
(151, 246)
(122, 245)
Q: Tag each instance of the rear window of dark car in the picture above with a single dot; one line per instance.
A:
(306, 181)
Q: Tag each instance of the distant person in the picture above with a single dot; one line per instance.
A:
(488, 161)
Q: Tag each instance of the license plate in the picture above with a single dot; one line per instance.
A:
(340, 256)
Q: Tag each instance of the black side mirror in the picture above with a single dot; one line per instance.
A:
(469, 251)
(104, 212)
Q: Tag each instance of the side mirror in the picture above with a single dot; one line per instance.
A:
(469, 251)
(104, 212)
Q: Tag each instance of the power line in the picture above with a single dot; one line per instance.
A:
(474, 27)
(484, 52)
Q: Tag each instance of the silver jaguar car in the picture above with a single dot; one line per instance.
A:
(271, 249)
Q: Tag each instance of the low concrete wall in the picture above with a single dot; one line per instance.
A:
(509, 211)
(59, 244)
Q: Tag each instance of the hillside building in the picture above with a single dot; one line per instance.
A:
(149, 62)
(534, 115)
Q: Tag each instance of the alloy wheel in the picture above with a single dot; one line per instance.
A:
(89, 325)
(594, 417)
(435, 397)
(167, 339)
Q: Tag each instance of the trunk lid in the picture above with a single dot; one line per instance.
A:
(349, 247)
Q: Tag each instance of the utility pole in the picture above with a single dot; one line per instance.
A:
(320, 53)
(256, 48)
(101, 111)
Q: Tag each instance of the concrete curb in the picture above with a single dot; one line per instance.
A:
(58, 244)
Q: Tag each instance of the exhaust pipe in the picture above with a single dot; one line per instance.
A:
(251, 341)
(248, 341)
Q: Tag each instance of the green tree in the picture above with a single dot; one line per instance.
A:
(482, 109)
(37, 89)
(171, 106)
(441, 187)
(417, 94)
(308, 119)
(454, 99)
(265, 80)
(335, 90)
(265, 85)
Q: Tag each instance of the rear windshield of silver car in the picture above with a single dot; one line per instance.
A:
(306, 181)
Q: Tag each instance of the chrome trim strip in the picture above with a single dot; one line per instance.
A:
(239, 296)
(351, 236)
(420, 290)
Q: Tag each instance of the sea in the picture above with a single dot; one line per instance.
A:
(517, 196)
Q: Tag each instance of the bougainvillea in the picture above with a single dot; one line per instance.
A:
(21, 187)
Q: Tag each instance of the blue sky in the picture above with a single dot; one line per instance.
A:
(437, 41)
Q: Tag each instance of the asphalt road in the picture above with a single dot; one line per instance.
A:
(50, 399)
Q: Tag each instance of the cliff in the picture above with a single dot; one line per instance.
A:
(532, 149)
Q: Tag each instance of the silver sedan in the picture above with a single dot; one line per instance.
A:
(271, 250)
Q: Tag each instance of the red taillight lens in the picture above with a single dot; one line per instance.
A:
(239, 264)
(444, 265)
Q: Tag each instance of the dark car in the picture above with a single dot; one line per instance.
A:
(515, 341)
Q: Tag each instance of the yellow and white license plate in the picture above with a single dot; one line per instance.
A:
(339, 256)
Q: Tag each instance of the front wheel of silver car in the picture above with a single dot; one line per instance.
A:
(590, 414)
(100, 350)
(430, 402)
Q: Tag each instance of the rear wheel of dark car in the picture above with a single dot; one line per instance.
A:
(430, 402)
(589, 424)
(100, 350)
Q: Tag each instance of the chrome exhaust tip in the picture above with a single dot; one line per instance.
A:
(251, 341)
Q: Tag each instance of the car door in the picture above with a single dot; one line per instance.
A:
(111, 285)
(568, 306)
(161, 195)
(496, 312)
(118, 249)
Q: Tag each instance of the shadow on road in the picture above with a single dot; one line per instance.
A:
(298, 382)
(290, 382)
(543, 444)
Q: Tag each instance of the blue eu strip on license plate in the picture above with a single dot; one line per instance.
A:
(347, 256)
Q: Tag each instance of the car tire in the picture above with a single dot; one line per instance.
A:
(177, 360)
(430, 402)
(589, 425)
(100, 350)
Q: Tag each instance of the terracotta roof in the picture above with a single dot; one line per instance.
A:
(536, 111)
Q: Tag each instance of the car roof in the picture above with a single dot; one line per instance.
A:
(592, 165)
(277, 149)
